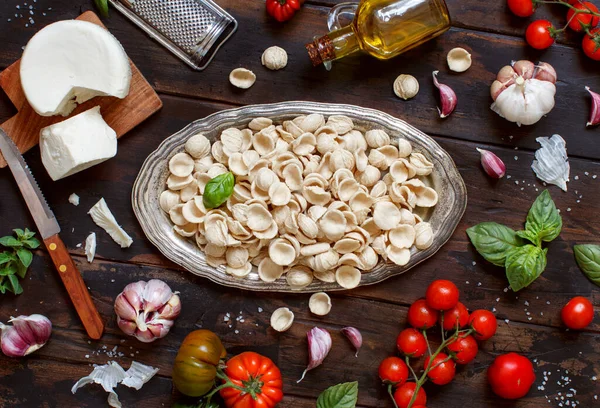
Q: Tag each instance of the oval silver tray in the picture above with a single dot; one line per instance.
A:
(151, 181)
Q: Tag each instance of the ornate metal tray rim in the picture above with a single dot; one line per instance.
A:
(184, 252)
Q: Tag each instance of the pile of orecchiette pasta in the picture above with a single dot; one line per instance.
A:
(313, 198)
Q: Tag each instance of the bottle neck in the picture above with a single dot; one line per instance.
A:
(335, 45)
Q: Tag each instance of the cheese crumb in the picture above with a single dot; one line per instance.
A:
(74, 199)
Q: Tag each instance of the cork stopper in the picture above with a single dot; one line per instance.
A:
(320, 50)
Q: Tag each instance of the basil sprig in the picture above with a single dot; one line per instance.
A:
(343, 395)
(502, 246)
(588, 259)
(15, 261)
(218, 190)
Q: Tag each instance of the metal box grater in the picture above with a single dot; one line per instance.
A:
(193, 30)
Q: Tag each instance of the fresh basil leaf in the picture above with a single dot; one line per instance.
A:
(343, 395)
(524, 265)
(10, 242)
(530, 236)
(20, 233)
(493, 241)
(31, 243)
(28, 234)
(218, 190)
(17, 289)
(3, 287)
(25, 256)
(544, 219)
(21, 270)
(6, 257)
(9, 269)
(102, 6)
(588, 259)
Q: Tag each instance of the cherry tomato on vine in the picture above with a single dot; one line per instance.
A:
(484, 323)
(465, 349)
(521, 8)
(421, 316)
(441, 295)
(443, 371)
(458, 313)
(578, 313)
(582, 20)
(540, 34)
(511, 376)
(393, 370)
(591, 44)
(411, 343)
(404, 394)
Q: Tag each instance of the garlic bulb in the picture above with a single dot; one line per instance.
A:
(524, 93)
(550, 164)
(147, 310)
(26, 335)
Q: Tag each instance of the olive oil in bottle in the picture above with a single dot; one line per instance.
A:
(383, 29)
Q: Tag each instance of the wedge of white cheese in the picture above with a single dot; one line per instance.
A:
(70, 62)
(76, 144)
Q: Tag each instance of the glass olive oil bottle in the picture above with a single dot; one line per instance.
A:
(382, 28)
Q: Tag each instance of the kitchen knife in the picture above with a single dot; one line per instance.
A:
(48, 228)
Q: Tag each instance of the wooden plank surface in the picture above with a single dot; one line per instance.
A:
(122, 115)
(378, 311)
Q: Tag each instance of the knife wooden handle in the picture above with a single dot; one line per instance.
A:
(75, 287)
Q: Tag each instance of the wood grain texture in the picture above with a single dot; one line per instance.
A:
(71, 278)
(121, 115)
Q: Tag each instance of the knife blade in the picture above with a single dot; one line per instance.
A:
(48, 228)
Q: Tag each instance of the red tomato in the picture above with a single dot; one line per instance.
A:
(465, 349)
(411, 343)
(404, 394)
(578, 313)
(511, 376)
(591, 44)
(440, 372)
(282, 10)
(421, 316)
(257, 374)
(393, 370)
(484, 323)
(540, 34)
(441, 295)
(582, 20)
(521, 8)
(458, 314)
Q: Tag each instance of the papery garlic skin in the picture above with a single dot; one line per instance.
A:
(595, 112)
(492, 164)
(354, 336)
(551, 161)
(26, 335)
(319, 345)
(147, 310)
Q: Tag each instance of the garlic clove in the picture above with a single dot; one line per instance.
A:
(545, 72)
(354, 336)
(492, 164)
(127, 326)
(156, 294)
(319, 345)
(595, 112)
(26, 335)
(524, 68)
(171, 310)
(447, 97)
(459, 59)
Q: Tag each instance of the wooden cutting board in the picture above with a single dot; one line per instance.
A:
(121, 114)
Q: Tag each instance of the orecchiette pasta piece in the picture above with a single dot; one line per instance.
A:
(399, 256)
(361, 201)
(353, 141)
(295, 243)
(256, 167)
(280, 214)
(402, 195)
(241, 192)
(386, 215)
(198, 146)
(215, 262)
(189, 191)
(423, 166)
(284, 134)
(187, 230)
(216, 170)
(379, 245)
(168, 199)
(333, 224)
(258, 124)
(361, 159)
(237, 165)
(377, 138)
(292, 176)
(263, 142)
(218, 153)
(424, 235)
(236, 257)
(299, 277)
(282, 319)
(316, 212)
(424, 196)
(305, 144)
(323, 168)
(379, 189)
(282, 252)
(341, 159)
(308, 226)
(192, 212)
(341, 124)
(348, 188)
(250, 158)
(404, 148)
(347, 277)
(178, 183)
(240, 213)
(279, 193)
(242, 78)
(202, 165)
(259, 218)
(233, 141)
(315, 249)
(369, 177)
(319, 303)
(239, 272)
(368, 258)
(407, 217)
(399, 171)
(326, 142)
(369, 226)
(390, 153)
(176, 215)
(346, 246)
(217, 233)
(350, 260)
(326, 260)
(316, 195)
(325, 276)
(292, 127)
(312, 122)
(181, 165)
(304, 240)
(269, 271)
(238, 231)
(403, 236)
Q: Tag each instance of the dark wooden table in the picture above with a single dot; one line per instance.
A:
(529, 321)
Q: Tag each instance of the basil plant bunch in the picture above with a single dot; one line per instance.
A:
(520, 252)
